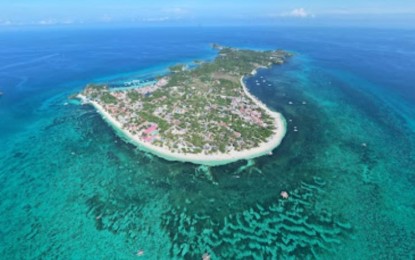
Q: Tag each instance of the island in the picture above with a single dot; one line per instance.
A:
(202, 114)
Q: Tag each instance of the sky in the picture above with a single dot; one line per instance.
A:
(207, 12)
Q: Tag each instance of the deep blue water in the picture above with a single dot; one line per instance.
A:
(71, 188)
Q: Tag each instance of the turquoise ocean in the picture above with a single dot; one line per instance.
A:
(70, 188)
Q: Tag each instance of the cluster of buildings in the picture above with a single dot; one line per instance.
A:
(248, 111)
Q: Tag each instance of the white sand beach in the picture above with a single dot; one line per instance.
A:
(204, 159)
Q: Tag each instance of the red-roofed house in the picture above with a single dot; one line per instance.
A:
(150, 129)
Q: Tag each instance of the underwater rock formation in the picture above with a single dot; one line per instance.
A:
(281, 228)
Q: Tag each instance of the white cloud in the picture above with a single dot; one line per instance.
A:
(46, 22)
(298, 12)
(156, 19)
(53, 21)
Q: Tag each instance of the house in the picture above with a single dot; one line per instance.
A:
(151, 129)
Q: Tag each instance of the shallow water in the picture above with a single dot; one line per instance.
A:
(71, 188)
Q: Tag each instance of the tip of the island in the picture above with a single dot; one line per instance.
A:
(204, 115)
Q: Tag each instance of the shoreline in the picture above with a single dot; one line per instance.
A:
(204, 159)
